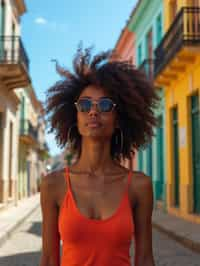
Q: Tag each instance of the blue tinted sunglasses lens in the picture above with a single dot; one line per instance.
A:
(84, 105)
(105, 105)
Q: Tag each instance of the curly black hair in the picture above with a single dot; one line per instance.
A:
(130, 89)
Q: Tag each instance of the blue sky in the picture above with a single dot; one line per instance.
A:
(53, 31)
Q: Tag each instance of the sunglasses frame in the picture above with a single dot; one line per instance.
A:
(96, 103)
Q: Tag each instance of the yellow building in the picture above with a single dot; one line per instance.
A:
(177, 70)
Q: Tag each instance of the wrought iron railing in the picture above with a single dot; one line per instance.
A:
(12, 51)
(147, 67)
(26, 128)
(184, 31)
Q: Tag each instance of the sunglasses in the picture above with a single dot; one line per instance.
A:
(103, 105)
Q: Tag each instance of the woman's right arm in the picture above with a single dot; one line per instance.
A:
(50, 235)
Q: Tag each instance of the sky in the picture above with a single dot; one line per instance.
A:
(53, 31)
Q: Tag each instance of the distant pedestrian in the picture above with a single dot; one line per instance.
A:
(104, 110)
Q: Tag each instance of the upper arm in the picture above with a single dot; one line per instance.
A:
(143, 221)
(50, 234)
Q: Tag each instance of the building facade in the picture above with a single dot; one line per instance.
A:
(146, 22)
(14, 73)
(177, 70)
(32, 149)
(125, 50)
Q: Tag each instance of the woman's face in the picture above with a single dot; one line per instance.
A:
(94, 123)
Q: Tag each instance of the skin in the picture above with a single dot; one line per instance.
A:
(97, 184)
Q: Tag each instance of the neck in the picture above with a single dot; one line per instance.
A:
(95, 155)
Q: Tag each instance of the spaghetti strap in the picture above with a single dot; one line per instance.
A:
(129, 178)
(67, 177)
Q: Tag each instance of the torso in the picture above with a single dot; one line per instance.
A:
(94, 199)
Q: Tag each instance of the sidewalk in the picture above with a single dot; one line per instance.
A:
(12, 217)
(185, 232)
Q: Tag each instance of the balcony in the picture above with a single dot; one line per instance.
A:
(28, 133)
(179, 46)
(147, 67)
(14, 62)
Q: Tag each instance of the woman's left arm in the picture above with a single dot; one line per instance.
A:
(142, 213)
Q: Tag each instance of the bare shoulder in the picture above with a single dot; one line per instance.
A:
(52, 178)
(51, 182)
(141, 180)
(141, 185)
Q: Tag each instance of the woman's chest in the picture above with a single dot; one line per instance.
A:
(102, 215)
(98, 202)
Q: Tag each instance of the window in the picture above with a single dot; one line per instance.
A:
(158, 29)
(173, 10)
(139, 55)
(2, 18)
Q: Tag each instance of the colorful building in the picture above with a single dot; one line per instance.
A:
(14, 73)
(146, 22)
(32, 146)
(124, 50)
(177, 69)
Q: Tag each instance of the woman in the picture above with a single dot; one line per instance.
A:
(96, 206)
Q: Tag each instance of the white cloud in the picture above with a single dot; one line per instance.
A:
(52, 25)
(40, 20)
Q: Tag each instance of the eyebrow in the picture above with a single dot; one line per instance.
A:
(88, 97)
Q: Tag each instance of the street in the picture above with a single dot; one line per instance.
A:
(23, 248)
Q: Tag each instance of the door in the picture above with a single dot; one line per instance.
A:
(195, 119)
(176, 156)
(160, 158)
(10, 192)
(149, 160)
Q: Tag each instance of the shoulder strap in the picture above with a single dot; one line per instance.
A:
(129, 177)
(67, 177)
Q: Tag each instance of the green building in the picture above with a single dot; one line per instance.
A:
(146, 22)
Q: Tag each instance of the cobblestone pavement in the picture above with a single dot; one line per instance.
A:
(23, 248)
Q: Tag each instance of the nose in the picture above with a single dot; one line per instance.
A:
(94, 109)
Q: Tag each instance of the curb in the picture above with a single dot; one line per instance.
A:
(8, 233)
(186, 242)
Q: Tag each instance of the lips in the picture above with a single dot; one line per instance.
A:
(93, 124)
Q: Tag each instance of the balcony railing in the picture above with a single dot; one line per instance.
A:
(12, 51)
(147, 67)
(27, 129)
(185, 31)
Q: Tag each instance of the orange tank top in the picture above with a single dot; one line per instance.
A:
(95, 242)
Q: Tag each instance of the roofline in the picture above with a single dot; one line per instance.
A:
(21, 6)
(127, 22)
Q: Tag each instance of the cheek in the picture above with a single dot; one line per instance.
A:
(109, 123)
(81, 120)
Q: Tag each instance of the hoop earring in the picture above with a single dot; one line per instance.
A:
(69, 142)
(121, 139)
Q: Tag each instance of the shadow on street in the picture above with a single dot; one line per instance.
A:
(23, 259)
(36, 229)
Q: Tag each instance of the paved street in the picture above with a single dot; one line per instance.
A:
(23, 249)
